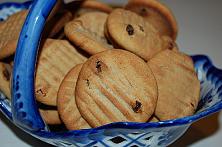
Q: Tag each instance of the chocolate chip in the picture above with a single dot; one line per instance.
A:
(137, 107)
(6, 74)
(143, 12)
(141, 28)
(41, 92)
(87, 82)
(171, 45)
(130, 29)
(192, 105)
(98, 66)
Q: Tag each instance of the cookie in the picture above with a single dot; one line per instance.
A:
(159, 15)
(51, 117)
(67, 108)
(114, 86)
(5, 73)
(178, 85)
(8, 49)
(79, 8)
(9, 33)
(131, 32)
(55, 59)
(56, 24)
(87, 32)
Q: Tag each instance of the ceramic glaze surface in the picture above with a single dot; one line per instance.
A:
(115, 134)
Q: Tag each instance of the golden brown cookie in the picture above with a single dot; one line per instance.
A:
(131, 32)
(5, 74)
(8, 49)
(9, 33)
(178, 85)
(87, 32)
(56, 58)
(114, 86)
(66, 102)
(79, 8)
(157, 14)
(51, 117)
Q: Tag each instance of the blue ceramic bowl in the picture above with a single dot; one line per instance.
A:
(23, 112)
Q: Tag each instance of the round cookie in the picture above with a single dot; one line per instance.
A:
(87, 32)
(5, 73)
(178, 85)
(66, 102)
(131, 32)
(157, 14)
(8, 50)
(115, 86)
(9, 33)
(55, 59)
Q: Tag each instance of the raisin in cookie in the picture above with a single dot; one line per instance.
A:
(131, 32)
(157, 14)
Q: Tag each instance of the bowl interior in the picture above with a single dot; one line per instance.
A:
(209, 76)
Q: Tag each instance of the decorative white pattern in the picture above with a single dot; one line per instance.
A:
(5, 13)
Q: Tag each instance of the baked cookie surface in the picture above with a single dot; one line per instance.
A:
(178, 85)
(131, 32)
(55, 59)
(157, 14)
(9, 33)
(66, 102)
(87, 32)
(114, 86)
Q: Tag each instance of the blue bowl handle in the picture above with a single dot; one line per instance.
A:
(24, 109)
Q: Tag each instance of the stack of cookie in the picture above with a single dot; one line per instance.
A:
(98, 64)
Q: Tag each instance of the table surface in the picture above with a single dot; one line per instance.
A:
(200, 30)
